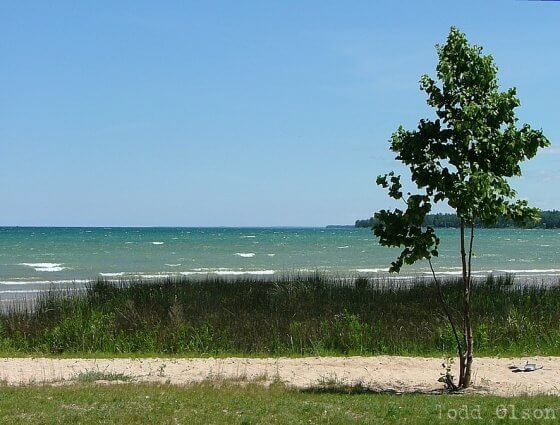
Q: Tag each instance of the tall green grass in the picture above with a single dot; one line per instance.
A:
(313, 315)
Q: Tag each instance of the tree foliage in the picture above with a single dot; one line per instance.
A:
(463, 157)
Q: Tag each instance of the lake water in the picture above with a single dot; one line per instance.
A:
(34, 259)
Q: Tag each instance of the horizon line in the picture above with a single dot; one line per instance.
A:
(176, 227)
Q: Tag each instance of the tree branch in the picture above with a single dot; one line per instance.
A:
(470, 251)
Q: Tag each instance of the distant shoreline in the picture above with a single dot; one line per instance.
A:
(548, 220)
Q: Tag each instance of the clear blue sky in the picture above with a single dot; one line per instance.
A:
(240, 113)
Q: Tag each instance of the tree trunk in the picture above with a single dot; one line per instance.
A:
(468, 322)
(465, 361)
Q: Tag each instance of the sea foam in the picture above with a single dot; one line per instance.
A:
(245, 254)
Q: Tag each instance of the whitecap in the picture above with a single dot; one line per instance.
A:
(173, 265)
(372, 270)
(459, 272)
(154, 276)
(248, 236)
(250, 272)
(157, 243)
(112, 274)
(531, 271)
(343, 247)
(245, 254)
(41, 282)
(25, 291)
(401, 277)
(227, 272)
(271, 255)
(45, 267)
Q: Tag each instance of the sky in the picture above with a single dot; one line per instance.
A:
(250, 113)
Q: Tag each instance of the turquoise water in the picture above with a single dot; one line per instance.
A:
(33, 258)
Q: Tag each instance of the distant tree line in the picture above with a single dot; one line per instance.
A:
(549, 220)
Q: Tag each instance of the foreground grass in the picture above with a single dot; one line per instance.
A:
(291, 316)
(253, 404)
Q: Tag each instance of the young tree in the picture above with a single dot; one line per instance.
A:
(463, 158)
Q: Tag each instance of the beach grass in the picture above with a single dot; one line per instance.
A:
(287, 316)
(206, 403)
(99, 375)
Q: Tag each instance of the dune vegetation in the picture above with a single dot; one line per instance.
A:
(287, 316)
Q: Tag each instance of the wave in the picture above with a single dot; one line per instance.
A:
(250, 272)
(510, 271)
(460, 272)
(372, 270)
(45, 267)
(230, 272)
(245, 254)
(154, 276)
(23, 291)
(112, 274)
(27, 291)
(401, 277)
(530, 271)
(42, 282)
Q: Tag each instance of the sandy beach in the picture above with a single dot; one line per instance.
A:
(383, 373)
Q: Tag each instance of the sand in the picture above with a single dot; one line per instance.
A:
(383, 373)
